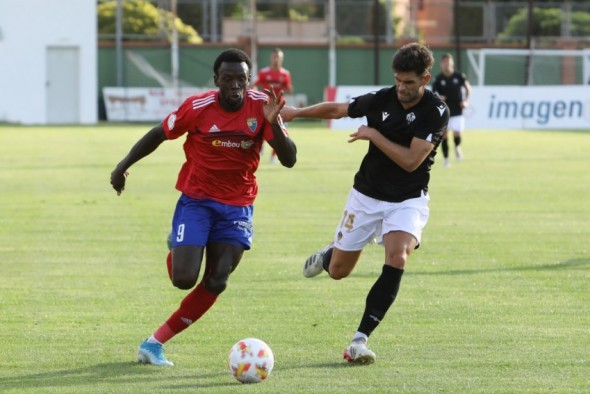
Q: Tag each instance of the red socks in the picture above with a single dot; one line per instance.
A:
(192, 307)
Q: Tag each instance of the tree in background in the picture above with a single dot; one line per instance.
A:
(143, 20)
(546, 23)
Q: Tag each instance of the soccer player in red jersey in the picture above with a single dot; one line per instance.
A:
(276, 78)
(225, 130)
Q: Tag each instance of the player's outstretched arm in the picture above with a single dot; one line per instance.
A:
(325, 110)
(146, 145)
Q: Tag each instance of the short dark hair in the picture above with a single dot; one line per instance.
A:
(231, 56)
(446, 56)
(413, 57)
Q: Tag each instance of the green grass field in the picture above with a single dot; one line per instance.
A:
(496, 300)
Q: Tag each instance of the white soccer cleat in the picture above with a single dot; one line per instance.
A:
(314, 265)
(358, 354)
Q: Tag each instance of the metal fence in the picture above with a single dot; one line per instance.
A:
(362, 21)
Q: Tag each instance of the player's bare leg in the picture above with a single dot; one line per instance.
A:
(399, 246)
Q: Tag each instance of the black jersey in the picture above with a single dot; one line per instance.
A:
(451, 87)
(380, 177)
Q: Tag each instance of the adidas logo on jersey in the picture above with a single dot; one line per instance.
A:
(214, 129)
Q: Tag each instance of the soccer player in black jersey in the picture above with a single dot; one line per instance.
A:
(389, 199)
(454, 88)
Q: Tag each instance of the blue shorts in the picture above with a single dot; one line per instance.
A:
(198, 222)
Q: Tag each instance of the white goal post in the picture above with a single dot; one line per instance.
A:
(478, 59)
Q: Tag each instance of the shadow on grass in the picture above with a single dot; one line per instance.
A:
(101, 376)
(564, 265)
(104, 376)
(233, 383)
(333, 365)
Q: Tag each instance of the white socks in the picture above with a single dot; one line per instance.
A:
(360, 337)
(152, 339)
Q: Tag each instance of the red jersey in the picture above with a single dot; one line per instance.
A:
(222, 148)
(277, 80)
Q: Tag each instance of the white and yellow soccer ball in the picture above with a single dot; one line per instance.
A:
(250, 360)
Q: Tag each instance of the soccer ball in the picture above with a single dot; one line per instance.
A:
(250, 360)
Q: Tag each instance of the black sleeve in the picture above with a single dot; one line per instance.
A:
(463, 79)
(435, 86)
(361, 105)
(436, 123)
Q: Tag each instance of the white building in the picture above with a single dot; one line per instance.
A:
(48, 61)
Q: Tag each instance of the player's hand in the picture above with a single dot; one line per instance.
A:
(464, 104)
(118, 179)
(288, 113)
(363, 133)
(274, 105)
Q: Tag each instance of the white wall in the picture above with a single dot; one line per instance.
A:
(27, 29)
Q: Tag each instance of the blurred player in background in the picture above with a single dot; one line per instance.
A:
(389, 198)
(276, 78)
(224, 130)
(454, 88)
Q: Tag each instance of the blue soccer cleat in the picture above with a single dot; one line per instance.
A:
(152, 353)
